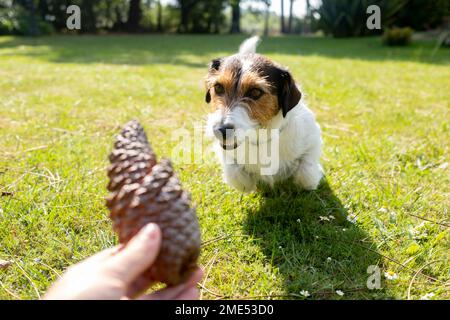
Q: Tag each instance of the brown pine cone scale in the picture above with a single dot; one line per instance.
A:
(144, 191)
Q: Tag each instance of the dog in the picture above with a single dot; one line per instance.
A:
(248, 91)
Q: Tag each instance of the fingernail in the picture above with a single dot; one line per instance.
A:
(150, 231)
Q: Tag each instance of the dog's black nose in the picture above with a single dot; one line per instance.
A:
(223, 131)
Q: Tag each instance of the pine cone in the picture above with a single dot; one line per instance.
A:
(144, 191)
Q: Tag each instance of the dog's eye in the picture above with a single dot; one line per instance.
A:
(219, 89)
(254, 94)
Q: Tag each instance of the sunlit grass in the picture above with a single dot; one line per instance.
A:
(384, 114)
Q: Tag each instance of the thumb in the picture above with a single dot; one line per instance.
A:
(139, 253)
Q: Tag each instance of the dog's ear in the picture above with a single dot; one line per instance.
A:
(288, 93)
(213, 66)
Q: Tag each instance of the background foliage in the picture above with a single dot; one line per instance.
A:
(340, 18)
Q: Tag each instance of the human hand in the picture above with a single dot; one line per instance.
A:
(116, 273)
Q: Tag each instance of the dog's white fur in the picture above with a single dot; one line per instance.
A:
(300, 144)
(249, 45)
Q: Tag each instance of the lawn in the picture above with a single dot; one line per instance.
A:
(384, 113)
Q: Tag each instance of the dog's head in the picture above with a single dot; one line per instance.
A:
(246, 92)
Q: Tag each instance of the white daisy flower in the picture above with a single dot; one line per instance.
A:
(391, 275)
(305, 293)
(428, 296)
(352, 218)
(329, 259)
(420, 226)
(443, 165)
(298, 220)
(393, 216)
(323, 218)
(340, 292)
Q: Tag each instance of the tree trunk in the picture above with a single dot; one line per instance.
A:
(266, 19)
(290, 16)
(88, 19)
(235, 17)
(159, 26)
(43, 8)
(119, 25)
(184, 19)
(33, 27)
(216, 27)
(134, 15)
(308, 18)
(283, 26)
(308, 7)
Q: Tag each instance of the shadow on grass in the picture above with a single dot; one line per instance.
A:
(319, 255)
(195, 51)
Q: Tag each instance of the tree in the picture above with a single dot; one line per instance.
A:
(308, 18)
(268, 3)
(88, 16)
(215, 16)
(308, 7)
(235, 16)
(159, 26)
(33, 27)
(120, 16)
(186, 7)
(283, 26)
(134, 15)
(347, 18)
(291, 5)
(42, 8)
(201, 16)
(423, 14)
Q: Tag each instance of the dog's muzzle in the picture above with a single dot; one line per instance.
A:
(225, 133)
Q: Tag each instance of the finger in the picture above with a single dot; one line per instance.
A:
(99, 257)
(190, 294)
(102, 255)
(196, 276)
(166, 293)
(137, 255)
(175, 291)
(138, 286)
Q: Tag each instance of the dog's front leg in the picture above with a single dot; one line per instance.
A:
(235, 176)
(309, 174)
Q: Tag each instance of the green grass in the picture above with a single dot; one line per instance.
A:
(385, 119)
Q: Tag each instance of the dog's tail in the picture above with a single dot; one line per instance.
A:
(249, 45)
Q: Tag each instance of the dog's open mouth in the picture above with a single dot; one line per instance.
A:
(229, 146)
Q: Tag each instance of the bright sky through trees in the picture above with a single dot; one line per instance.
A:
(299, 6)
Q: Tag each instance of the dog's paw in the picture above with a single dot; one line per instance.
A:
(237, 178)
(308, 175)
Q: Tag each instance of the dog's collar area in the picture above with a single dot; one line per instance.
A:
(281, 129)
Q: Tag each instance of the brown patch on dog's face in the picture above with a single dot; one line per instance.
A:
(251, 81)
(259, 97)
(221, 88)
